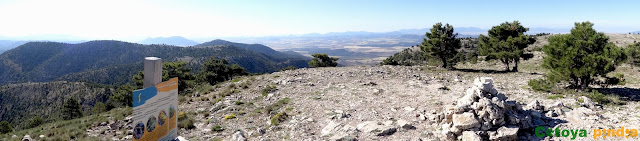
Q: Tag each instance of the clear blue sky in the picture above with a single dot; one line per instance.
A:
(125, 19)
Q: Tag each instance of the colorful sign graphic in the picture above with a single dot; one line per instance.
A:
(154, 112)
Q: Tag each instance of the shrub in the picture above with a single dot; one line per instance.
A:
(541, 85)
(232, 116)
(633, 52)
(5, 127)
(279, 117)
(323, 60)
(184, 121)
(35, 122)
(604, 99)
(217, 128)
(99, 108)
(276, 106)
(288, 68)
(268, 89)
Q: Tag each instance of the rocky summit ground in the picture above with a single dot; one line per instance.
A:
(388, 103)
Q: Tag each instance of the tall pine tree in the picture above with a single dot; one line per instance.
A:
(506, 42)
(71, 109)
(442, 43)
(581, 56)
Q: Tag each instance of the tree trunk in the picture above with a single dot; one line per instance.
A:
(444, 62)
(506, 64)
(515, 65)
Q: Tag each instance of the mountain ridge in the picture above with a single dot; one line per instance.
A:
(172, 40)
(33, 61)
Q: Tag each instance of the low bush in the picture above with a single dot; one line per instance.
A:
(268, 89)
(540, 85)
(217, 128)
(279, 117)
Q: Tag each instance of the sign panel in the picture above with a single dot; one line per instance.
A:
(155, 112)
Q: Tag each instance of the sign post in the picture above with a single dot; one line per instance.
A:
(155, 107)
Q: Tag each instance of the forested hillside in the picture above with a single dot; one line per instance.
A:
(23, 101)
(114, 62)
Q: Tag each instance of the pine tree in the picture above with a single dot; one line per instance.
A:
(505, 42)
(633, 52)
(323, 60)
(214, 71)
(71, 109)
(442, 43)
(580, 56)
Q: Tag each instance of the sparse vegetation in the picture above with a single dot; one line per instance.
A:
(217, 128)
(275, 107)
(555, 96)
(185, 121)
(288, 68)
(604, 99)
(541, 85)
(231, 116)
(268, 89)
(279, 117)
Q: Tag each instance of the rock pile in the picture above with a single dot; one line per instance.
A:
(484, 114)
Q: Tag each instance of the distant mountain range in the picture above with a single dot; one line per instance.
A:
(114, 62)
(173, 40)
(459, 30)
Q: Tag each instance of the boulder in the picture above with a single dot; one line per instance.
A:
(330, 128)
(238, 136)
(376, 128)
(587, 102)
(484, 83)
(536, 106)
(505, 133)
(405, 125)
(465, 120)
(470, 136)
(556, 105)
(27, 138)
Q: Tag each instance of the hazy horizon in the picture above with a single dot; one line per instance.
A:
(199, 20)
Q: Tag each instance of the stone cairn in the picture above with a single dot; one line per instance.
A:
(484, 114)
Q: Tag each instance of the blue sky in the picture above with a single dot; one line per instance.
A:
(124, 19)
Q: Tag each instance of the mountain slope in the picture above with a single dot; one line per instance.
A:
(173, 40)
(47, 61)
(273, 54)
(20, 102)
